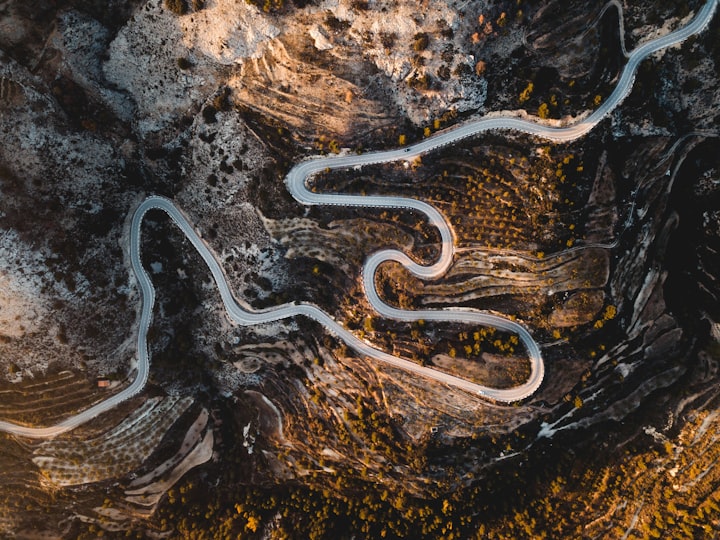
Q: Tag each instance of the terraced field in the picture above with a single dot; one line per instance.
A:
(48, 399)
(114, 453)
(343, 244)
(16, 477)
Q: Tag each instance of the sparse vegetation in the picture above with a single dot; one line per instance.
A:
(46, 399)
(268, 6)
(355, 449)
(421, 41)
(111, 454)
(525, 94)
(178, 7)
(183, 63)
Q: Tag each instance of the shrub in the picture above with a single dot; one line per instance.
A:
(525, 94)
(209, 113)
(267, 6)
(179, 7)
(421, 41)
(221, 101)
(388, 39)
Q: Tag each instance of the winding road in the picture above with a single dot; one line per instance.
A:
(296, 182)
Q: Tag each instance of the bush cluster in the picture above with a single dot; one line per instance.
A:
(179, 7)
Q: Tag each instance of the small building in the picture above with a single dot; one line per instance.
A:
(103, 383)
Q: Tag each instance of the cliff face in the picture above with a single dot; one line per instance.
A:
(605, 248)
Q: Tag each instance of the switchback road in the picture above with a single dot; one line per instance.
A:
(296, 182)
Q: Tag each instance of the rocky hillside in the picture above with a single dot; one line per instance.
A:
(605, 248)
